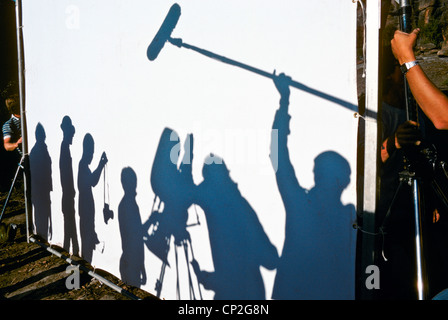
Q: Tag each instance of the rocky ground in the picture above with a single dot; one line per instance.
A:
(436, 68)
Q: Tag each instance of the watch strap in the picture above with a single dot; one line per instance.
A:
(405, 67)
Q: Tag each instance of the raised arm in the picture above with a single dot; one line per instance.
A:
(430, 99)
(284, 171)
(97, 173)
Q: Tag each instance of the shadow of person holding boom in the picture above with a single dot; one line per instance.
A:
(318, 257)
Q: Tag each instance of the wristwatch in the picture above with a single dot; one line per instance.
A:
(405, 67)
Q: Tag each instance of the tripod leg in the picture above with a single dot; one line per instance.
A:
(177, 273)
(12, 187)
(438, 191)
(388, 214)
(192, 256)
(159, 281)
(421, 288)
(190, 283)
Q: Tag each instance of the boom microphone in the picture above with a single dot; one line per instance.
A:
(164, 35)
(164, 32)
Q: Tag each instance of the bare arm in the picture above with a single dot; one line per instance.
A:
(430, 99)
(11, 146)
(97, 173)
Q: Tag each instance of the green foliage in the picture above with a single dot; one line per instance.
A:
(432, 32)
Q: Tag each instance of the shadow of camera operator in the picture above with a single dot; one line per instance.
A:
(318, 257)
(41, 184)
(238, 242)
(239, 245)
(86, 204)
(173, 186)
(132, 261)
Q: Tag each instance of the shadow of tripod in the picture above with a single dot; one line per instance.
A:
(162, 232)
(174, 189)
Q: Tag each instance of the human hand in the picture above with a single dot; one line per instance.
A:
(408, 134)
(282, 83)
(403, 44)
(104, 159)
(195, 266)
(435, 216)
(19, 142)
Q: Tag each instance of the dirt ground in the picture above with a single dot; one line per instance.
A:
(30, 272)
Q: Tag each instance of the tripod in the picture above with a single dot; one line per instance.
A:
(418, 173)
(186, 244)
(7, 232)
(418, 164)
(158, 241)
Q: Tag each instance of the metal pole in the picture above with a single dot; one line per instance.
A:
(179, 43)
(21, 77)
(405, 26)
(89, 272)
(418, 240)
(412, 114)
(370, 183)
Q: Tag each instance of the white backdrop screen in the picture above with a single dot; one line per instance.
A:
(220, 183)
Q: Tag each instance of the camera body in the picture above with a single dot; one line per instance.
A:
(107, 213)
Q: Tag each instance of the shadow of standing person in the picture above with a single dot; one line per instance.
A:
(132, 262)
(86, 204)
(68, 187)
(318, 257)
(41, 184)
(239, 245)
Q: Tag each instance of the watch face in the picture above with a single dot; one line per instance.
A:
(408, 65)
(404, 68)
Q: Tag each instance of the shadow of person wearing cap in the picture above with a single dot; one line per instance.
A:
(68, 187)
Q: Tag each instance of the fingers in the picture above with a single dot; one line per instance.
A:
(415, 31)
(402, 45)
(408, 134)
(413, 35)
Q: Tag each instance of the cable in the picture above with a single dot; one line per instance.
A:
(381, 233)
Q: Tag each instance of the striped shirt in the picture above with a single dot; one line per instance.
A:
(12, 129)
